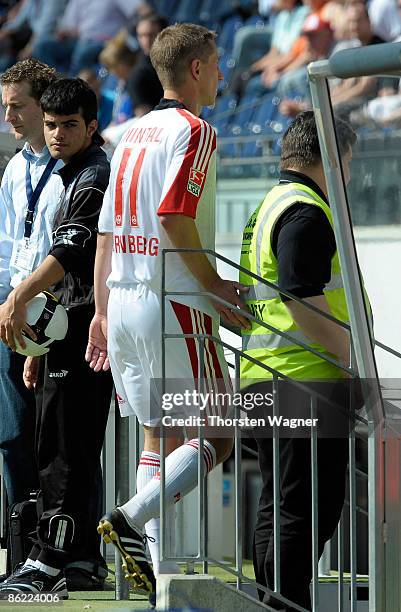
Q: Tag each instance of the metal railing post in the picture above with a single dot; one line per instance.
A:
(315, 509)
(352, 519)
(238, 482)
(122, 490)
(276, 488)
(340, 555)
(375, 458)
(361, 335)
(202, 507)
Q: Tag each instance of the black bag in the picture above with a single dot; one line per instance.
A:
(22, 520)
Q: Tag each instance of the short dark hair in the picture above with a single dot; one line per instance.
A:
(300, 145)
(68, 97)
(36, 73)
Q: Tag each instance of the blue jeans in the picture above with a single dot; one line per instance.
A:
(70, 55)
(17, 428)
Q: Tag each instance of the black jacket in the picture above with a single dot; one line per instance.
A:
(85, 180)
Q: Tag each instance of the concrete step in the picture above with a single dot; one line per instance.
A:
(203, 593)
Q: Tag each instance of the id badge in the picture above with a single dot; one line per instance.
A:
(24, 257)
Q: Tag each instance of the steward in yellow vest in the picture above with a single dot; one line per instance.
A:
(289, 241)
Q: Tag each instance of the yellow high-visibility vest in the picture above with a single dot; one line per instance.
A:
(264, 303)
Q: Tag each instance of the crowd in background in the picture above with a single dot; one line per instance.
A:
(265, 48)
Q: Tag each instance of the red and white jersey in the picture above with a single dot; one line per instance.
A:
(166, 163)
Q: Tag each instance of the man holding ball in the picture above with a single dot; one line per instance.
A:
(72, 401)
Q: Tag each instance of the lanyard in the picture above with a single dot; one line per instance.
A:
(32, 195)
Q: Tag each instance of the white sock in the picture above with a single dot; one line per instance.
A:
(30, 563)
(47, 569)
(181, 477)
(149, 466)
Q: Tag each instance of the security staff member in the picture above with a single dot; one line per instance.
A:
(72, 401)
(289, 241)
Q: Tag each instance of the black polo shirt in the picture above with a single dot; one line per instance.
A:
(85, 179)
(303, 243)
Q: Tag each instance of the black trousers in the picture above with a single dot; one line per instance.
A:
(72, 409)
(296, 513)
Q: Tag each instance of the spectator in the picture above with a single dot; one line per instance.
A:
(334, 12)
(7, 7)
(105, 102)
(42, 18)
(86, 26)
(143, 84)
(318, 37)
(119, 59)
(266, 8)
(298, 56)
(145, 88)
(286, 30)
(352, 93)
(385, 110)
(14, 34)
(385, 19)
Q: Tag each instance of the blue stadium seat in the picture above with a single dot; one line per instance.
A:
(238, 126)
(212, 12)
(226, 65)
(260, 125)
(188, 12)
(256, 20)
(225, 40)
(222, 113)
(168, 8)
(243, 114)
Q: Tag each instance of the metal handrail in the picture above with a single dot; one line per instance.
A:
(288, 294)
(201, 338)
(388, 349)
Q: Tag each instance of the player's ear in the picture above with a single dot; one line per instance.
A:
(92, 127)
(195, 69)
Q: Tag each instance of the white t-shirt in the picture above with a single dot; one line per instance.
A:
(165, 164)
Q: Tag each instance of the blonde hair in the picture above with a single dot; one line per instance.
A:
(174, 49)
(118, 52)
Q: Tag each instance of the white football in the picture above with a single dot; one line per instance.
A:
(48, 319)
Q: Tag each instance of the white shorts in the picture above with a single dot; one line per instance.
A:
(135, 353)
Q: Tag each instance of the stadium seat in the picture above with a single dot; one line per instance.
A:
(212, 12)
(188, 12)
(262, 124)
(225, 40)
(238, 126)
(256, 20)
(168, 8)
(226, 65)
(221, 115)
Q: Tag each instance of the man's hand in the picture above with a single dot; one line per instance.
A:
(66, 33)
(30, 374)
(12, 322)
(228, 291)
(269, 77)
(291, 108)
(96, 351)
